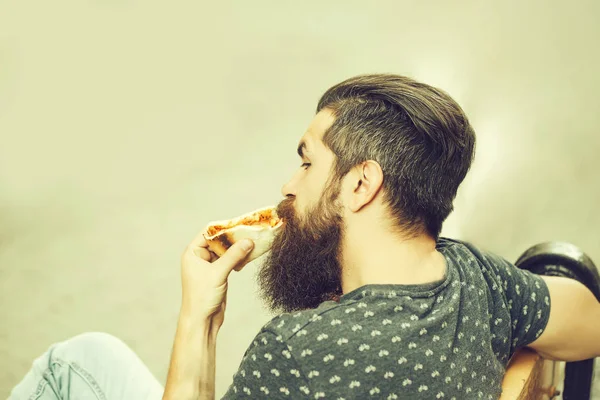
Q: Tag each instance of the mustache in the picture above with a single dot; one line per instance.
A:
(285, 209)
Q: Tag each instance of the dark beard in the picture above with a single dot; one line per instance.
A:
(303, 269)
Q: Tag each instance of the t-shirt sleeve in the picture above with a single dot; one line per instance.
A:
(268, 370)
(527, 299)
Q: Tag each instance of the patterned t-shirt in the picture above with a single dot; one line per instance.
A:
(449, 339)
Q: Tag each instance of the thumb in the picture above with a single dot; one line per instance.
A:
(235, 254)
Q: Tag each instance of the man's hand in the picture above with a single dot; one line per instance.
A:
(204, 279)
(204, 294)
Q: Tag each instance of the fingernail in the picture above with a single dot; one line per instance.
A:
(246, 245)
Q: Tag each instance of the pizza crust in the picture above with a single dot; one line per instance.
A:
(260, 226)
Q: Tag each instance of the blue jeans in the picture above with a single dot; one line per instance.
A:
(94, 366)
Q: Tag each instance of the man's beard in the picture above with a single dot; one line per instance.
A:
(303, 268)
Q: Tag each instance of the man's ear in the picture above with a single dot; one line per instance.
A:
(367, 179)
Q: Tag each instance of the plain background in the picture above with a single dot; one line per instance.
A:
(126, 126)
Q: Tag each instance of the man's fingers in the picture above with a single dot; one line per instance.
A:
(199, 247)
(203, 253)
(235, 254)
(199, 241)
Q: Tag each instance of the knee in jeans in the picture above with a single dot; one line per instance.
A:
(91, 345)
(98, 340)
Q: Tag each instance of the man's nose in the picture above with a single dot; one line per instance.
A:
(287, 190)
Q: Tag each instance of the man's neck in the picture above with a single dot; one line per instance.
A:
(381, 257)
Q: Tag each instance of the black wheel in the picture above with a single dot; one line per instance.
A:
(567, 260)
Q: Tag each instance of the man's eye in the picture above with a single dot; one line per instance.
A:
(305, 165)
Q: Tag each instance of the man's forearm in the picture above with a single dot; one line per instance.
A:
(192, 369)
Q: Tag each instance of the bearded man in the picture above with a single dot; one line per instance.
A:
(372, 302)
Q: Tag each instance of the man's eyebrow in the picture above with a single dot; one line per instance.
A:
(301, 148)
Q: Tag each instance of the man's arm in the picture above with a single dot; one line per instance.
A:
(192, 369)
(573, 330)
(204, 292)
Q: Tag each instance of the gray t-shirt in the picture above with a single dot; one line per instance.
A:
(449, 339)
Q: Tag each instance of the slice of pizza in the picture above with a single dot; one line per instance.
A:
(260, 226)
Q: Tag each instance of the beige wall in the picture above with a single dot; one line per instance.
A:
(126, 125)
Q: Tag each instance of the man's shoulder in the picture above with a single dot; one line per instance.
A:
(465, 254)
(461, 249)
(445, 244)
(287, 326)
